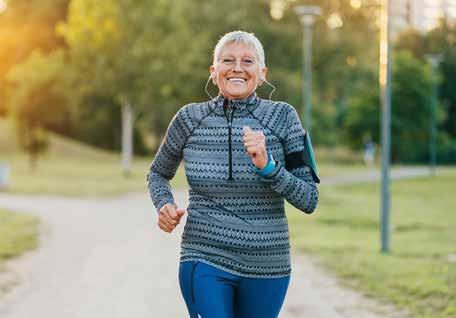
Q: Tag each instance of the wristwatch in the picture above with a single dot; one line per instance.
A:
(268, 168)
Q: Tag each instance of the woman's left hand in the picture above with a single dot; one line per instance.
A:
(255, 145)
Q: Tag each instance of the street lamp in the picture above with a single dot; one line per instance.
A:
(307, 16)
(385, 90)
(434, 60)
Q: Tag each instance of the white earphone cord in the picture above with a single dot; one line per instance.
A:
(205, 87)
(210, 96)
(273, 88)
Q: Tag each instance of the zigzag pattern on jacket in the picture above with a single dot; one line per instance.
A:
(238, 225)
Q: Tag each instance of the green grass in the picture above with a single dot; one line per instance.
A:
(417, 274)
(79, 176)
(99, 174)
(18, 233)
(91, 176)
(71, 168)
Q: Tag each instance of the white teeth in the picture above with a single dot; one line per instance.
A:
(237, 79)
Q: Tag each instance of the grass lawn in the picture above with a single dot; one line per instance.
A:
(74, 169)
(76, 176)
(87, 176)
(71, 168)
(420, 272)
(18, 233)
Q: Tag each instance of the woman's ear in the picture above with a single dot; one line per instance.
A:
(263, 73)
(213, 74)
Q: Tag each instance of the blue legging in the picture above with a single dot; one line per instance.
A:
(210, 292)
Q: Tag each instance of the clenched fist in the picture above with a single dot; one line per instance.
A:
(169, 217)
(255, 145)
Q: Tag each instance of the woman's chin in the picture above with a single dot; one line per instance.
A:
(237, 94)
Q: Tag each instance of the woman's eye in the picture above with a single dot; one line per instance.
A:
(248, 61)
(228, 60)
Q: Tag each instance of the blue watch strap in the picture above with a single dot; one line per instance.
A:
(268, 168)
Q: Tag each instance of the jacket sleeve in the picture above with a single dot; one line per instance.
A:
(167, 160)
(296, 178)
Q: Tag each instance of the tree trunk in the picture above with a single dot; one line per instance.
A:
(127, 137)
(33, 161)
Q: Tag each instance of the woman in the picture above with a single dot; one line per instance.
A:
(243, 156)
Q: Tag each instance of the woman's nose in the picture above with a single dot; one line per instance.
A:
(238, 66)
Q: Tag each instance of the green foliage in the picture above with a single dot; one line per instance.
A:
(411, 98)
(324, 118)
(410, 114)
(155, 54)
(122, 52)
(98, 121)
(447, 89)
(446, 149)
(440, 40)
(38, 100)
(27, 25)
(362, 121)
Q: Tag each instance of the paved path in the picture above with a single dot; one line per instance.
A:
(374, 175)
(106, 258)
(98, 259)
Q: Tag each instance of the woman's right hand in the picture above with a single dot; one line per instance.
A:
(169, 217)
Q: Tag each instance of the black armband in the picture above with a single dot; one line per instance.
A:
(302, 158)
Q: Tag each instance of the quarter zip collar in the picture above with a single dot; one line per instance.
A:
(231, 109)
(242, 106)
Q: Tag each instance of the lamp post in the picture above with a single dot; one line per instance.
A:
(307, 16)
(385, 90)
(434, 60)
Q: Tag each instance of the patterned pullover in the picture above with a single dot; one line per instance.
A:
(236, 218)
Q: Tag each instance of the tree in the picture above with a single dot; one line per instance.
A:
(151, 57)
(38, 100)
(411, 93)
(121, 49)
(25, 26)
(342, 56)
(100, 49)
(440, 40)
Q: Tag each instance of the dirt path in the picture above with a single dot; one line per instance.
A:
(106, 258)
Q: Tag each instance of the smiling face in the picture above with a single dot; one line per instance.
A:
(237, 71)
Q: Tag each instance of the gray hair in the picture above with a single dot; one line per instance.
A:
(240, 37)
